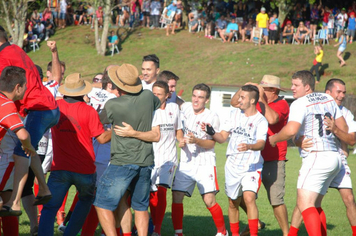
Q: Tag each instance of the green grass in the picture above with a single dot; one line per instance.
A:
(197, 219)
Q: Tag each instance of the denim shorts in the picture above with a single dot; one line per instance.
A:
(54, 14)
(265, 31)
(36, 124)
(117, 179)
(62, 16)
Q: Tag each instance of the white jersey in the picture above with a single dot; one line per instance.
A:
(349, 118)
(147, 86)
(341, 19)
(53, 86)
(309, 111)
(169, 121)
(98, 97)
(192, 153)
(245, 129)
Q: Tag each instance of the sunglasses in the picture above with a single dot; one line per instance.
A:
(97, 80)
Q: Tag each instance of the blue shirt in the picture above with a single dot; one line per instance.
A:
(112, 39)
(351, 23)
(221, 24)
(231, 26)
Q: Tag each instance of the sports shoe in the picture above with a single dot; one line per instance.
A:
(62, 228)
(221, 234)
(46, 38)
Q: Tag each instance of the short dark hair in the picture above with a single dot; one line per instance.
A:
(161, 84)
(330, 84)
(167, 75)
(253, 90)
(3, 35)
(40, 71)
(106, 80)
(306, 77)
(203, 87)
(153, 58)
(10, 77)
(49, 65)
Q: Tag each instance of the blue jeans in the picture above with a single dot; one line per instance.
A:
(37, 123)
(59, 183)
(117, 179)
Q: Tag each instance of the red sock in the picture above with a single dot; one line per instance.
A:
(353, 230)
(62, 208)
(75, 200)
(323, 220)
(293, 231)
(312, 221)
(10, 225)
(177, 218)
(118, 232)
(161, 208)
(90, 223)
(235, 228)
(153, 206)
(127, 234)
(218, 218)
(253, 225)
(35, 189)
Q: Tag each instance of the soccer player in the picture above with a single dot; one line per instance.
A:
(197, 163)
(342, 182)
(322, 162)
(171, 79)
(248, 130)
(168, 119)
(150, 70)
(276, 110)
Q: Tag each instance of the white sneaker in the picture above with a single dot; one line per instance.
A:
(220, 234)
(62, 228)
(46, 38)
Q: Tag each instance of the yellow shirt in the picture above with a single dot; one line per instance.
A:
(262, 19)
(319, 57)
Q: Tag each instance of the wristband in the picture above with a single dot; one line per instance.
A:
(210, 130)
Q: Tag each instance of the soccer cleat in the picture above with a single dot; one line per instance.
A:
(62, 228)
(221, 234)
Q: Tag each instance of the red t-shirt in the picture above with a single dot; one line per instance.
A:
(9, 119)
(277, 153)
(36, 97)
(72, 137)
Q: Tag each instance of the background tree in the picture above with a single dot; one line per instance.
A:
(100, 40)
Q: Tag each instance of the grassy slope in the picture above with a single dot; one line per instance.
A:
(196, 59)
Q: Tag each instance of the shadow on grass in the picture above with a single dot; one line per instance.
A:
(323, 68)
(347, 56)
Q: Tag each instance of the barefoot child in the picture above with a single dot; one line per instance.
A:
(342, 46)
(318, 50)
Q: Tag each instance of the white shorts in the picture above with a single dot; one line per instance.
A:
(237, 182)
(343, 178)
(188, 175)
(318, 170)
(6, 176)
(162, 175)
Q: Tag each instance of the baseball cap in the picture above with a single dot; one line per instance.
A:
(263, 9)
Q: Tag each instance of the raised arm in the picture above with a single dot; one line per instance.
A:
(56, 65)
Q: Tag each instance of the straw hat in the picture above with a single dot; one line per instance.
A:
(271, 81)
(126, 78)
(75, 86)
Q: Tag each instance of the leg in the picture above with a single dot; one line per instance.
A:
(252, 211)
(296, 221)
(141, 222)
(177, 212)
(124, 215)
(234, 216)
(10, 223)
(317, 71)
(349, 201)
(281, 214)
(339, 55)
(107, 221)
(230, 37)
(216, 212)
(161, 208)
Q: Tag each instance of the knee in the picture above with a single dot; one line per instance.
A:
(349, 201)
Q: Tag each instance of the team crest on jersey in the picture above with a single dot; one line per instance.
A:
(211, 176)
(253, 179)
(170, 114)
(250, 126)
(198, 123)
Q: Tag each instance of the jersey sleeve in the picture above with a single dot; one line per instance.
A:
(156, 121)
(96, 127)
(262, 129)
(179, 120)
(11, 119)
(297, 112)
(282, 109)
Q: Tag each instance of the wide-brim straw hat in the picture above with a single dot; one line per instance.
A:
(75, 86)
(126, 77)
(271, 81)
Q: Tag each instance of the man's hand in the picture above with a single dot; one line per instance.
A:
(30, 150)
(272, 141)
(330, 124)
(190, 138)
(52, 46)
(181, 143)
(243, 147)
(124, 131)
(262, 97)
(304, 143)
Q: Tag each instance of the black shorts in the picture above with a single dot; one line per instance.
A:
(146, 13)
(314, 21)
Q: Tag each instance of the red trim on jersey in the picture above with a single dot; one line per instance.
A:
(9, 117)
(259, 181)
(216, 180)
(319, 103)
(6, 176)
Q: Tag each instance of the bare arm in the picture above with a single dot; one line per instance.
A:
(56, 65)
(259, 145)
(204, 143)
(180, 138)
(104, 137)
(346, 137)
(127, 131)
(25, 140)
(288, 132)
(235, 99)
(221, 137)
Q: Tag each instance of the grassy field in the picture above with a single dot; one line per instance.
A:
(198, 222)
(196, 59)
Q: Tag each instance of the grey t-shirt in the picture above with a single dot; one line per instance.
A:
(136, 110)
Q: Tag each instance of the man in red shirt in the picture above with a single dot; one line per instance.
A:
(12, 88)
(41, 112)
(73, 155)
(276, 111)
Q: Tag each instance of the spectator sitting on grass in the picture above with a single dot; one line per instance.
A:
(231, 28)
(113, 39)
(287, 32)
(220, 25)
(170, 9)
(30, 39)
(193, 20)
(49, 29)
(39, 29)
(247, 30)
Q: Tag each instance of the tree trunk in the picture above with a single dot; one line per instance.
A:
(104, 35)
(284, 8)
